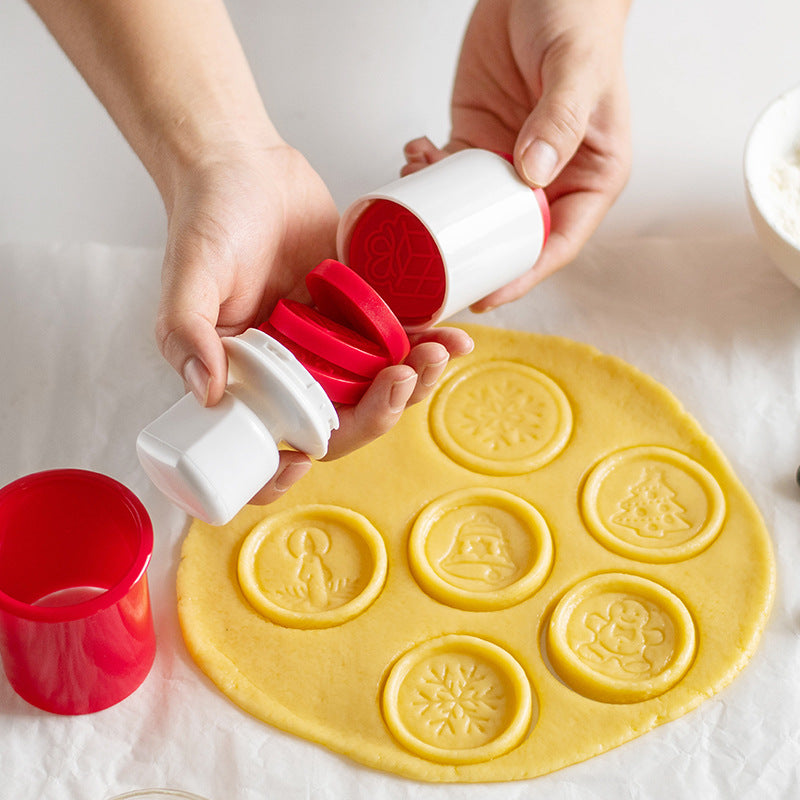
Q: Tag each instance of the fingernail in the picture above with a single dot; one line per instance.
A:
(400, 393)
(197, 379)
(539, 162)
(290, 475)
(432, 373)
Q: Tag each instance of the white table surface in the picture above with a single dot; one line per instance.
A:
(674, 282)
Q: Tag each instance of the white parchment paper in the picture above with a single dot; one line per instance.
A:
(80, 375)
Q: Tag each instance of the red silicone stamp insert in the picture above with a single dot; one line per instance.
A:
(328, 339)
(397, 255)
(342, 295)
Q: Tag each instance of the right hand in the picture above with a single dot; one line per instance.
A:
(543, 79)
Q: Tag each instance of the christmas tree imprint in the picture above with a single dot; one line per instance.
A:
(480, 551)
(649, 509)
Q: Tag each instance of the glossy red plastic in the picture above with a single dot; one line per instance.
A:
(341, 385)
(345, 297)
(328, 339)
(76, 629)
(544, 207)
(397, 255)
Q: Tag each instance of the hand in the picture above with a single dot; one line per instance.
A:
(248, 217)
(543, 79)
(393, 390)
(244, 229)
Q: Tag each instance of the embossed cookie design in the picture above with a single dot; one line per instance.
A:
(620, 638)
(501, 418)
(312, 567)
(480, 549)
(653, 504)
(542, 561)
(458, 699)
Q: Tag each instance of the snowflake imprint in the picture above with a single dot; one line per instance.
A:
(458, 698)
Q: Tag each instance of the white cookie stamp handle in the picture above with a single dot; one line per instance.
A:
(211, 461)
(438, 240)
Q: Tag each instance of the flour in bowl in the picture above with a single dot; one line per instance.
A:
(784, 195)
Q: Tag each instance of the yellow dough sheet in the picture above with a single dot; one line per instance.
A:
(545, 560)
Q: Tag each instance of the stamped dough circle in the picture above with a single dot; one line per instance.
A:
(620, 638)
(458, 699)
(653, 504)
(480, 549)
(327, 685)
(315, 566)
(501, 418)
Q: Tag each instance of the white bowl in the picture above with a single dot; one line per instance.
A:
(774, 139)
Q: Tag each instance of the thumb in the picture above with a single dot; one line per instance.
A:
(186, 332)
(555, 128)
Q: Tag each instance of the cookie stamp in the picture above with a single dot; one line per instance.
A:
(312, 567)
(501, 418)
(480, 549)
(458, 699)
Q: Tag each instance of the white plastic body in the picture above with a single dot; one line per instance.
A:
(485, 220)
(211, 461)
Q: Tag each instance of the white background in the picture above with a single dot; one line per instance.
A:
(674, 282)
(348, 82)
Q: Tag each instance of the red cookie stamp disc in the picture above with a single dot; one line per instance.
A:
(344, 296)
(397, 255)
(341, 385)
(328, 339)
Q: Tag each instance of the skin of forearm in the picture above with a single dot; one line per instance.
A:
(171, 74)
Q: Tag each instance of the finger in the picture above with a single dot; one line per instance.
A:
(431, 352)
(557, 125)
(429, 360)
(421, 149)
(410, 167)
(291, 467)
(420, 153)
(186, 332)
(376, 413)
(456, 341)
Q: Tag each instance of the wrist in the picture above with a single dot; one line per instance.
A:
(199, 144)
(173, 76)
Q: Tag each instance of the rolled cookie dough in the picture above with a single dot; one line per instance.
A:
(546, 560)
